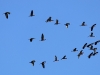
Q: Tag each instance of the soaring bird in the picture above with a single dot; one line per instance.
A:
(64, 57)
(81, 53)
(93, 27)
(42, 37)
(31, 14)
(6, 14)
(67, 24)
(32, 62)
(84, 45)
(91, 54)
(91, 47)
(94, 49)
(83, 24)
(55, 59)
(95, 53)
(91, 35)
(74, 50)
(90, 44)
(49, 19)
(57, 22)
(43, 64)
(96, 42)
(31, 39)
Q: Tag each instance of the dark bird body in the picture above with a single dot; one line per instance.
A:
(91, 54)
(95, 53)
(89, 45)
(31, 14)
(42, 37)
(67, 24)
(83, 24)
(6, 14)
(84, 45)
(81, 53)
(57, 22)
(96, 42)
(31, 39)
(43, 64)
(93, 27)
(74, 50)
(32, 62)
(56, 58)
(49, 19)
(64, 57)
(91, 35)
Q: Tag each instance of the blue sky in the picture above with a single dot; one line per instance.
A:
(16, 51)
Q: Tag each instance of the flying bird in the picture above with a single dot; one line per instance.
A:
(95, 53)
(93, 27)
(67, 24)
(96, 42)
(91, 47)
(57, 22)
(74, 50)
(90, 44)
(6, 14)
(91, 54)
(80, 53)
(31, 14)
(64, 57)
(43, 64)
(91, 35)
(42, 37)
(55, 59)
(31, 39)
(84, 45)
(49, 19)
(83, 24)
(32, 62)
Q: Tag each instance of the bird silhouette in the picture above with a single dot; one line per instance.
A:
(74, 50)
(55, 59)
(96, 42)
(67, 24)
(93, 27)
(32, 62)
(90, 44)
(84, 45)
(31, 14)
(95, 53)
(49, 19)
(42, 37)
(80, 53)
(94, 49)
(91, 35)
(83, 24)
(91, 54)
(43, 64)
(31, 39)
(91, 47)
(6, 14)
(57, 22)
(64, 57)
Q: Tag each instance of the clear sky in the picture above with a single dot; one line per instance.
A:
(16, 51)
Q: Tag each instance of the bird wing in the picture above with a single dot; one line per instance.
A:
(91, 28)
(84, 45)
(56, 21)
(55, 57)
(43, 65)
(42, 36)
(31, 12)
(6, 16)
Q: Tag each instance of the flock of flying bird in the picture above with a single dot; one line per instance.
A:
(75, 49)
